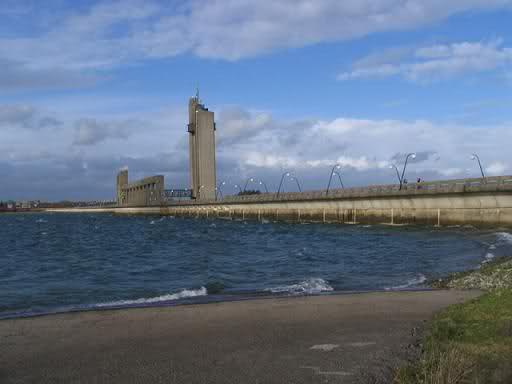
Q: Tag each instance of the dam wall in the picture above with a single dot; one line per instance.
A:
(455, 202)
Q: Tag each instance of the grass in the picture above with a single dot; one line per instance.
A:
(470, 342)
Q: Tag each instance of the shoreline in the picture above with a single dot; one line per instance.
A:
(305, 339)
(200, 300)
(362, 336)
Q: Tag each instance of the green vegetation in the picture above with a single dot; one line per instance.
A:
(470, 342)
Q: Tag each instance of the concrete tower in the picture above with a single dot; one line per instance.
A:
(201, 128)
(122, 181)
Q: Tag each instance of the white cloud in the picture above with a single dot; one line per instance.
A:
(263, 160)
(26, 117)
(155, 142)
(115, 32)
(238, 124)
(16, 75)
(450, 172)
(497, 168)
(91, 131)
(435, 62)
(364, 145)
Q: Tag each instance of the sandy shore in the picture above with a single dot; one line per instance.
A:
(322, 339)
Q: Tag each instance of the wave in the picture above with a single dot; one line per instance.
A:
(488, 257)
(186, 293)
(310, 286)
(419, 279)
(501, 245)
(153, 222)
(504, 237)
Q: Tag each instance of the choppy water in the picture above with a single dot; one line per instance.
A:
(54, 262)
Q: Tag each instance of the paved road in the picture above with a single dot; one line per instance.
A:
(327, 339)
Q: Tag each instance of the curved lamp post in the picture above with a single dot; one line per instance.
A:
(286, 174)
(409, 155)
(199, 191)
(336, 166)
(474, 156)
(261, 182)
(393, 166)
(297, 181)
(219, 190)
(251, 179)
(237, 186)
(339, 178)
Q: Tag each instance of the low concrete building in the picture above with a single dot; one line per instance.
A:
(141, 193)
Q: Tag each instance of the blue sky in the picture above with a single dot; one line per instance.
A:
(88, 87)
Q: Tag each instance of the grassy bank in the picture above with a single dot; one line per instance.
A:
(470, 342)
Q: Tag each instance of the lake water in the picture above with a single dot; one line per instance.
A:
(61, 262)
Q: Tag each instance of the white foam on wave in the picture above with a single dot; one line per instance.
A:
(310, 286)
(488, 257)
(186, 293)
(419, 279)
(504, 237)
(41, 221)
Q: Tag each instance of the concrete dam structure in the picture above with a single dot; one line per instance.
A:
(144, 192)
(470, 201)
(477, 202)
(482, 201)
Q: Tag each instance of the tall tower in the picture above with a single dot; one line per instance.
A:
(201, 128)
(122, 180)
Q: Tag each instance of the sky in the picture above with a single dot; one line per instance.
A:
(89, 87)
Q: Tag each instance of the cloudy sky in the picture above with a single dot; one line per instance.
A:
(88, 87)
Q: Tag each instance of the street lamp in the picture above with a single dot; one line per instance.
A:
(393, 166)
(333, 172)
(264, 184)
(297, 181)
(409, 155)
(339, 178)
(474, 156)
(247, 182)
(219, 190)
(286, 174)
(239, 188)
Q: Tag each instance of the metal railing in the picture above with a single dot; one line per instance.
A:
(490, 184)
